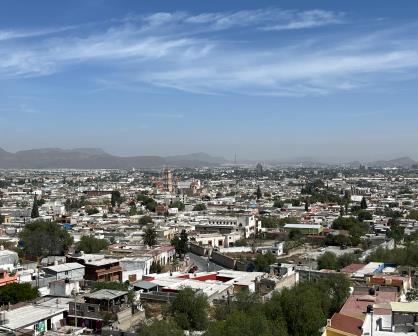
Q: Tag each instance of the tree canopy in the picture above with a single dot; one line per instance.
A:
(150, 236)
(189, 310)
(298, 311)
(144, 220)
(116, 198)
(199, 207)
(162, 328)
(180, 243)
(41, 238)
(17, 292)
(178, 204)
(147, 201)
(263, 261)
(35, 209)
(403, 256)
(91, 245)
(329, 260)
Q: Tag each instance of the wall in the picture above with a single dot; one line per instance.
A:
(223, 260)
(196, 249)
(235, 249)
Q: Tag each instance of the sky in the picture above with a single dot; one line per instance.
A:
(334, 80)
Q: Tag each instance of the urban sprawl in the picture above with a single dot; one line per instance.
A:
(232, 250)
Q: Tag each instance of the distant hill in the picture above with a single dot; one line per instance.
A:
(403, 162)
(96, 158)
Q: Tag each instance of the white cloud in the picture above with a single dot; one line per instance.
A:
(267, 19)
(185, 52)
(12, 34)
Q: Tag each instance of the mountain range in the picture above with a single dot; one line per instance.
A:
(96, 158)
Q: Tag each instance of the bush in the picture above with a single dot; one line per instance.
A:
(17, 292)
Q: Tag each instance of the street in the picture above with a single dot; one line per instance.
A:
(202, 263)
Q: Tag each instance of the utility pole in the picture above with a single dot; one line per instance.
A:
(75, 307)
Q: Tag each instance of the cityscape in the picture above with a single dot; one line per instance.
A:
(205, 168)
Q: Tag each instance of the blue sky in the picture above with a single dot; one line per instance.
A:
(263, 79)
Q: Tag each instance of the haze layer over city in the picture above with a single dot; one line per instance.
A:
(208, 168)
(266, 80)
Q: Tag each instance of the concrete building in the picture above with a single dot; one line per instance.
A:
(305, 229)
(72, 271)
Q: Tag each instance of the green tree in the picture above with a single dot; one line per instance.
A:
(402, 256)
(363, 215)
(295, 234)
(240, 323)
(179, 205)
(41, 238)
(278, 203)
(150, 236)
(189, 310)
(363, 203)
(335, 289)
(147, 201)
(353, 225)
(259, 194)
(180, 243)
(246, 301)
(17, 292)
(328, 260)
(92, 211)
(396, 231)
(145, 220)
(302, 309)
(347, 259)
(91, 245)
(132, 210)
(413, 214)
(35, 209)
(165, 327)
(263, 261)
(199, 207)
(116, 198)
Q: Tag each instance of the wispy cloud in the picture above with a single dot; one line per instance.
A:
(188, 52)
(266, 19)
(306, 19)
(12, 34)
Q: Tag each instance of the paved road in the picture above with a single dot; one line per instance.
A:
(202, 263)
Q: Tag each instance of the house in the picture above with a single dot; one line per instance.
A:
(246, 225)
(134, 268)
(8, 259)
(98, 268)
(38, 317)
(305, 229)
(6, 277)
(103, 307)
(72, 271)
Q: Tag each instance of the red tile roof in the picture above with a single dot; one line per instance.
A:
(352, 268)
(347, 324)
